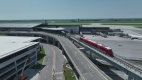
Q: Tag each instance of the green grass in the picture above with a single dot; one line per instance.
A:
(3, 35)
(139, 62)
(40, 59)
(68, 73)
(96, 57)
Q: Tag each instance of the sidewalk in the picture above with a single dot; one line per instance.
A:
(31, 74)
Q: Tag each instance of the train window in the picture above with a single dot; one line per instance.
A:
(110, 50)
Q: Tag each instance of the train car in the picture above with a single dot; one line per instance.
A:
(105, 50)
(109, 51)
(100, 47)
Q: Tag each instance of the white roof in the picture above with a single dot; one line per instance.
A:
(108, 47)
(100, 44)
(10, 45)
(11, 39)
(59, 28)
(17, 25)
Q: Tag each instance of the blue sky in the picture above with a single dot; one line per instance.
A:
(69, 9)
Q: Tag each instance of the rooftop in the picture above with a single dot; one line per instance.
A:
(17, 25)
(14, 39)
(10, 45)
(55, 29)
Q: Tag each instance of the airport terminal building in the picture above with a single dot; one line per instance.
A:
(9, 27)
(14, 52)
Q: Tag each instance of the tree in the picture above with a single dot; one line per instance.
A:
(71, 31)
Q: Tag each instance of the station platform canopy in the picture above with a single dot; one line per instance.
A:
(54, 29)
(18, 25)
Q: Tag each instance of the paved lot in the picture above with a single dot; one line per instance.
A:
(121, 46)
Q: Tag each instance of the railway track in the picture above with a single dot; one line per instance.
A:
(128, 64)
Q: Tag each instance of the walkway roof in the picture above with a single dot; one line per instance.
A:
(10, 45)
(54, 29)
(17, 25)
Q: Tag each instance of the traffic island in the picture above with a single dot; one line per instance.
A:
(40, 57)
(68, 73)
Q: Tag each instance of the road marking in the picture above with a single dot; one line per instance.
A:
(53, 64)
(46, 70)
(91, 63)
(45, 76)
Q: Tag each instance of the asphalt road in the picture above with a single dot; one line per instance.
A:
(53, 62)
(46, 72)
(86, 67)
(59, 60)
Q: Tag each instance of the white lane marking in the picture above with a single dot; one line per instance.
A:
(91, 75)
(45, 76)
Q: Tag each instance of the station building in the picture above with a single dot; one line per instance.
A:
(13, 53)
(50, 28)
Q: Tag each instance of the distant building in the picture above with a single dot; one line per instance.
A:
(85, 29)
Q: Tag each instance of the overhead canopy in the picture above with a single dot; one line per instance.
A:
(54, 29)
(17, 25)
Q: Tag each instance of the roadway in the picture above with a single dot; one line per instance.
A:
(52, 60)
(86, 67)
(88, 70)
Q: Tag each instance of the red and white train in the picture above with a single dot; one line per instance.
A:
(97, 46)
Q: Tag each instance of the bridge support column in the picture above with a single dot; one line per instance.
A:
(59, 45)
(127, 77)
(53, 41)
(39, 40)
(91, 54)
(63, 51)
(47, 39)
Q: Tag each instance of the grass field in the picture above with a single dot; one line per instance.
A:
(68, 73)
(40, 59)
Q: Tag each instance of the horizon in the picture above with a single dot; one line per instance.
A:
(72, 19)
(63, 9)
